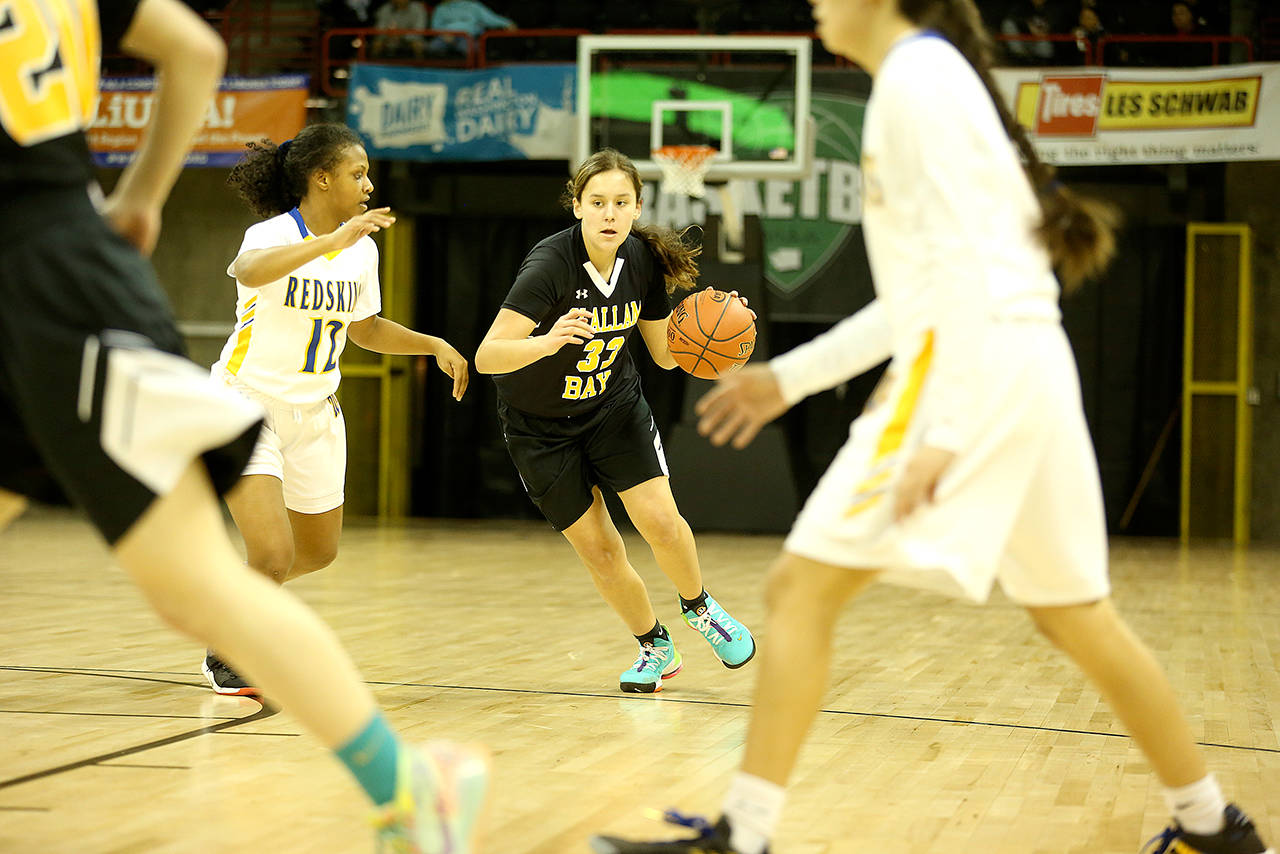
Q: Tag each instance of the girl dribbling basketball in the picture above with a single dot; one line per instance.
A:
(574, 417)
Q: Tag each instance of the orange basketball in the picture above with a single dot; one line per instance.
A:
(711, 333)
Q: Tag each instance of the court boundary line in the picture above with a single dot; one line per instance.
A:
(264, 712)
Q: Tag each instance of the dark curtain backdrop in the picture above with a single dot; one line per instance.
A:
(1126, 331)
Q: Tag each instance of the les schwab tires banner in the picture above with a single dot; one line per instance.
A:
(1140, 115)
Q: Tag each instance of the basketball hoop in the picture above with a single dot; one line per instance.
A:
(683, 168)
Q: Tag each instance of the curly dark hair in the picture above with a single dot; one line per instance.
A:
(680, 270)
(273, 178)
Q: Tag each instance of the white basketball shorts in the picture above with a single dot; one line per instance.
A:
(305, 447)
(1020, 504)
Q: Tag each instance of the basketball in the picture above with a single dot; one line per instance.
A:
(711, 333)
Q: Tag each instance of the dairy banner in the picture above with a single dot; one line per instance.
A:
(1145, 115)
(521, 112)
(244, 108)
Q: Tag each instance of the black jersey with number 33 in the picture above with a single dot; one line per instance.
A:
(557, 276)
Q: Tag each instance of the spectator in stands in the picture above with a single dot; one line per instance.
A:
(1088, 28)
(400, 15)
(468, 16)
(345, 13)
(1035, 18)
(1185, 24)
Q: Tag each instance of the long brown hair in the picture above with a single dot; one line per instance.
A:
(1077, 230)
(680, 270)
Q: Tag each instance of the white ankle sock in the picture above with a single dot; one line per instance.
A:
(752, 807)
(1198, 807)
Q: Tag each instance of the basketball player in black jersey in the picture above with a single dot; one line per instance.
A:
(573, 414)
(96, 401)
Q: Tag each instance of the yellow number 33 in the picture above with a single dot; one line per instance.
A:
(49, 53)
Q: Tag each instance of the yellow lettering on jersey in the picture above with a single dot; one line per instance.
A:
(605, 319)
(603, 379)
(572, 388)
(588, 388)
(49, 55)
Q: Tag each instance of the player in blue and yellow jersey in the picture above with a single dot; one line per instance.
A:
(574, 417)
(306, 282)
(97, 402)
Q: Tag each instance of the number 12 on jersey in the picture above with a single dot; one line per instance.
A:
(317, 332)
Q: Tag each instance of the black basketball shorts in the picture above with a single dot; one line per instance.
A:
(96, 401)
(561, 459)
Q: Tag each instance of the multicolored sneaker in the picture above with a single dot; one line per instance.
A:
(658, 660)
(711, 839)
(223, 679)
(1237, 837)
(439, 789)
(729, 639)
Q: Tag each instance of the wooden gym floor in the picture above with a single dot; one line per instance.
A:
(947, 728)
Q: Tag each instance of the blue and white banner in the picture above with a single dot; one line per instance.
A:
(522, 112)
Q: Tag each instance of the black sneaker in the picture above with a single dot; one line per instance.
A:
(711, 839)
(1237, 837)
(223, 679)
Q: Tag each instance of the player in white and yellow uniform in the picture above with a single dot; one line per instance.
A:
(306, 282)
(972, 463)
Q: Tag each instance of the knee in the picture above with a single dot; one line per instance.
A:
(605, 558)
(274, 561)
(663, 531)
(186, 612)
(313, 560)
(1066, 625)
(780, 583)
(816, 592)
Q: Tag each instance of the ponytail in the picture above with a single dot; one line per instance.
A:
(273, 178)
(680, 269)
(1078, 231)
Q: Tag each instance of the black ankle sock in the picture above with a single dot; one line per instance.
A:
(695, 603)
(658, 632)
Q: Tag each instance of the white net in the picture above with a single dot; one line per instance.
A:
(683, 168)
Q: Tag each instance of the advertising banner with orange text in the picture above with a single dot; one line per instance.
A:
(244, 108)
(1086, 116)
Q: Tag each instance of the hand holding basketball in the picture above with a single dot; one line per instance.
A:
(711, 333)
(739, 405)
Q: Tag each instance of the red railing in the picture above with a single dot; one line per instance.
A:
(493, 36)
(1215, 42)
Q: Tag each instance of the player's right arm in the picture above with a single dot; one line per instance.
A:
(507, 346)
(188, 57)
(257, 268)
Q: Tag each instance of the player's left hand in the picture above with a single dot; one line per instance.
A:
(920, 480)
(453, 364)
(138, 224)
